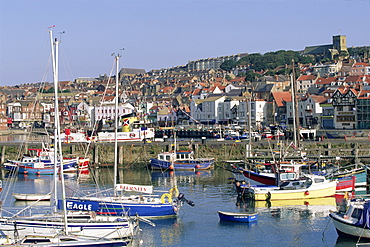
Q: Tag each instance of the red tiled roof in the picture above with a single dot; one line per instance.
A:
(318, 98)
(281, 97)
(354, 78)
(196, 92)
(360, 64)
(364, 94)
(306, 77)
(325, 81)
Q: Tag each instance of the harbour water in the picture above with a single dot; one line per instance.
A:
(288, 223)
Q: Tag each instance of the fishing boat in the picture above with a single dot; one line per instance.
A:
(34, 165)
(274, 174)
(31, 197)
(312, 186)
(358, 172)
(180, 160)
(354, 222)
(46, 154)
(238, 216)
(40, 162)
(133, 199)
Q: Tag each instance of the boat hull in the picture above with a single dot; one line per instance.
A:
(237, 217)
(348, 229)
(359, 173)
(344, 184)
(263, 179)
(182, 165)
(29, 169)
(142, 209)
(325, 191)
(31, 197)
(111, 230)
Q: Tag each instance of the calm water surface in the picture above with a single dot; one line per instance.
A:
(290, 223)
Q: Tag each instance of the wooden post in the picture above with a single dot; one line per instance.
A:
(196, 150)
(25, 151)
(120, 155)
(72, 149)
(96, 154)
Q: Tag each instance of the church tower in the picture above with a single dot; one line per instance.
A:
(340, 43)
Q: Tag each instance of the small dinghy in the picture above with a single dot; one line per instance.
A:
(238, 217)
(31, 197)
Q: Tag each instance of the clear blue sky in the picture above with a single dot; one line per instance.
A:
(164, 33)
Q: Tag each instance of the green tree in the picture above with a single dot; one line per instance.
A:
(228, 65)
(250, 76)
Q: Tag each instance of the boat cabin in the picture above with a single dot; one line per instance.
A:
(180, 155)
(302, 183)
(355, 210)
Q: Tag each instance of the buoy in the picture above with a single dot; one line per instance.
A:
(171, 167)
(306, 192)
(197, 166)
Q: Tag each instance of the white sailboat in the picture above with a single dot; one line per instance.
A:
(82, 227)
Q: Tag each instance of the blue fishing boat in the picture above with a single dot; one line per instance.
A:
(238, 217)
(34, 165)
(180, 160)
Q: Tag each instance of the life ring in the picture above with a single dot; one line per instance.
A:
(168, 196)
(260, 167)
(174, 192)
(132, 135)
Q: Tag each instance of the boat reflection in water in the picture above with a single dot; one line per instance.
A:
(187, 177)
(169, 234)
(308, 208)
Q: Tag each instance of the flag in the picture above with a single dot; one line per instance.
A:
(52, 26)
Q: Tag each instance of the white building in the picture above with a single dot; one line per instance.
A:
(106, 111)
(206, 110)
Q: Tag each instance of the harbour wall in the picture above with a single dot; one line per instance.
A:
(138, 154)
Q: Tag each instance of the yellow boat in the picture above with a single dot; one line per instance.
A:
(309, 188)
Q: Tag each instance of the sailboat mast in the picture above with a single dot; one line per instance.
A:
(295, 108)
(250, 127)
(57, 142)
(55, 79)
(116, 125)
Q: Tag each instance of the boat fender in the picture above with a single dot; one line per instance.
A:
(268, 196)
(168, 196)
(306, 193)
(174, 192)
